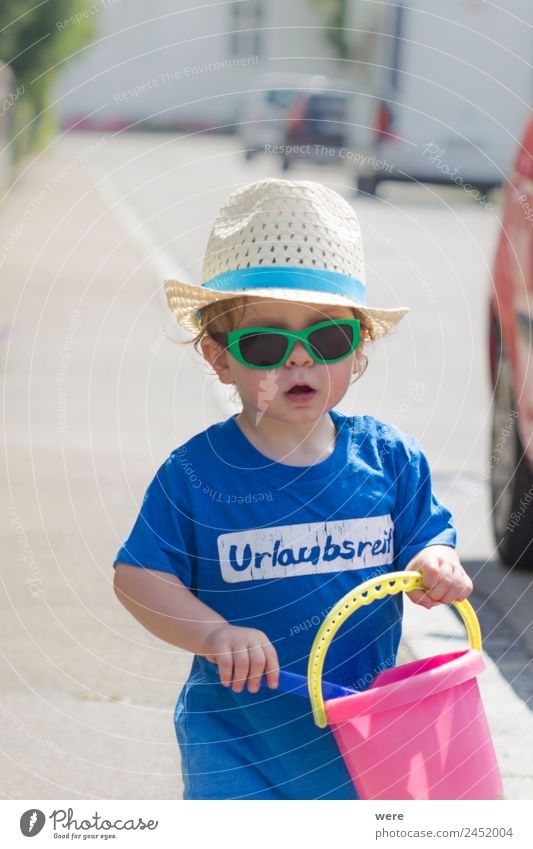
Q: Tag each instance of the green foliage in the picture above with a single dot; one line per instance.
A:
(36, 38)
(333, 13)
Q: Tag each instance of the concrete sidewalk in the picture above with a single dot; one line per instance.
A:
(86, 694)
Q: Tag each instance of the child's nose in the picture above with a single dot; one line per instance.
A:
(299, 355)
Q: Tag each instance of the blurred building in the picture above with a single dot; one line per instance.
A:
(166, 64)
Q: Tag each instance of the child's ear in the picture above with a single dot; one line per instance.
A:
(217, 358)
(359, 355)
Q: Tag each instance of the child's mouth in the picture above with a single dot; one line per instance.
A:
(301, 393)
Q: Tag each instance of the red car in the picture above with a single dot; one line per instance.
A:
(511, 366)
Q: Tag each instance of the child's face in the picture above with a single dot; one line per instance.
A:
(264, 391)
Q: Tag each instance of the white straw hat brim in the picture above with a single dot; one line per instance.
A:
(185, 299)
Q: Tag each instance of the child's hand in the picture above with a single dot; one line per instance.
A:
(240, 654)
(443, 576)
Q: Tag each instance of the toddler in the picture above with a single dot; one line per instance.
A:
(254, 528)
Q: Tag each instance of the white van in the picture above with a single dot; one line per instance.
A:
(451, 93)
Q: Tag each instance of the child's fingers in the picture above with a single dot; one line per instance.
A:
(224, 661)
(436, 583)
(436, 579)
(467, 590)
(257, 665)
(445, 582)
(461, 588)
(241, 665)
(429, 598)
(271, 665)
(420, 597)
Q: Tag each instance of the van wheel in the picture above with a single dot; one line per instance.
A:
(511, 481)
(367, 186)
(484, 193)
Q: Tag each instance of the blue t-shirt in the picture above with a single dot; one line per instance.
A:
(274, 547)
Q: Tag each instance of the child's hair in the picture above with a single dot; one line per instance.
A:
(224, 315)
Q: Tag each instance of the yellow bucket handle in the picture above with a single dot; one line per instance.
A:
(389, 584)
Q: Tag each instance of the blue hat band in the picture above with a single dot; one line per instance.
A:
(312, 279)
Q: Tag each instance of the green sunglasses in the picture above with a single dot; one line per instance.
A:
(269, 347)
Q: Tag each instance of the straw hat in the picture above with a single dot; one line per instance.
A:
(292, 240)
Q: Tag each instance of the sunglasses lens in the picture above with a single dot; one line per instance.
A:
(333, 341)
(262, 349)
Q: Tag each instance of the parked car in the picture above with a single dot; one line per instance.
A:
(318, 126)
(449, 95)
(510, 336)
(265, 108)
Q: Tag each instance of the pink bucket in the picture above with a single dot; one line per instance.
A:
(419, 732)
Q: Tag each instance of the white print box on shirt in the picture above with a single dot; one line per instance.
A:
(306, 549)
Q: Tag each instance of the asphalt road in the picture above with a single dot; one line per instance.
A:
(96, 397)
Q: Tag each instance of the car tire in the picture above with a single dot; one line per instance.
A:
(484, 193)
(511, 480)
(367, 185)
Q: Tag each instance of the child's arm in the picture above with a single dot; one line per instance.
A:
(170, 611)
(425, 531)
